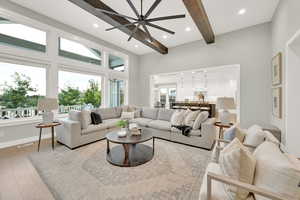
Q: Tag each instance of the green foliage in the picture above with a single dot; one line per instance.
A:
(93, 94)
(17, 95)
(70, 96)
(122, 123)
(73, 96)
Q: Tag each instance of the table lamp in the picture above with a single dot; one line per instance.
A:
(47, 105)
(225, 104)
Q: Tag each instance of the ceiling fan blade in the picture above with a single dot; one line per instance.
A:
(133, 32)
(147, 31)
(160, 28)
(154, 5)
(117, 14)
(133, 8)
(120, 26)
(165, 18)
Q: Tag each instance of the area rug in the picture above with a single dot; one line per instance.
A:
(175, 172)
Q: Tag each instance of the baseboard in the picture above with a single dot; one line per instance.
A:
(23, 141)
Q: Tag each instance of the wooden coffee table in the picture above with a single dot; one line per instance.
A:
(130, 152)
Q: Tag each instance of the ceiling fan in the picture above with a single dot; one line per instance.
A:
(143, 19)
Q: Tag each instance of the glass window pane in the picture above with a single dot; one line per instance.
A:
(16, 34)
(116, 63)
(77, 51)
(20, 88)
(78, 91)
(117, 93)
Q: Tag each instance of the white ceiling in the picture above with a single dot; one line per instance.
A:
(222, 14)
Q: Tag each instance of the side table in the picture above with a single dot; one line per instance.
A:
(221, 127)
(41, 126)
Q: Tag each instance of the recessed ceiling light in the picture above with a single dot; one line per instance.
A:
(165, 36)
(95, 25)
(188, 29)
(242, 11)
(136, 46)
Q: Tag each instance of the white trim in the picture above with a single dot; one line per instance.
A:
(23, 141)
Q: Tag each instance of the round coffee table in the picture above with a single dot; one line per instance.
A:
(130, 152)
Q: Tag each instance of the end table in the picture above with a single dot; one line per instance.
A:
(221, 127)
(48, 125)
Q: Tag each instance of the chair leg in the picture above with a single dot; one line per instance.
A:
(40, 139)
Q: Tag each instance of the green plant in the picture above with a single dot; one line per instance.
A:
(122, 123)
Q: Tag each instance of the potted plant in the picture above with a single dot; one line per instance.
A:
(123, 124)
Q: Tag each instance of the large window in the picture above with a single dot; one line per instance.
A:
(78, 91)
(20, 88)
(77, 51)
(116, 63)
(117, 92)
(12, 33)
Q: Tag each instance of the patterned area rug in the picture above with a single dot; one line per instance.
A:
(175, 172)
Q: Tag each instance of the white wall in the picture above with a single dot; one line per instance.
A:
(285, 23)
(10, 132)
(250, 48)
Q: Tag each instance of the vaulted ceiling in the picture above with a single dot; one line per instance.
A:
(223, 16)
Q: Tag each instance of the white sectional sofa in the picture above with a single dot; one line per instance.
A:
(277, 174)
(77, 130)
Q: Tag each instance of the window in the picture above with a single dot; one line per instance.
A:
(20, 88)
(116, 63)
(78, 91)
(77, 51)
(12, 33)
(117, 92)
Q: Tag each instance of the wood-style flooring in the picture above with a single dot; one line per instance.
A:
(18, 178)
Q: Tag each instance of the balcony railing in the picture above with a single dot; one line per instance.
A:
(18, 113)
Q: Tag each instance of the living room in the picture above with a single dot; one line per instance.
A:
(204, 107)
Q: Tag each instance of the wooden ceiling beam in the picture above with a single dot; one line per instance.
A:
(199, 15)
(91, 6)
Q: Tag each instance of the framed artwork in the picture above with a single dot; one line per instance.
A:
(277, 69)
(277, 102)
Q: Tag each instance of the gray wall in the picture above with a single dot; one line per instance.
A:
(250, 47)
(285, 24)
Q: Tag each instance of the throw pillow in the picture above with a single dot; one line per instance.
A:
(255, 138)
(96, 118)
(177, 118)
(137, 113)
(200, 119)
(190, 118)
(230, 133)
(240, 134)
(127, 115)
(276, 172)
(239, 164)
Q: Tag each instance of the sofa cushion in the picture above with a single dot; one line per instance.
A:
(276, 172)
(160, 124)
(165, 114)
(93, 128)
(111, 123)
(177, 118)
(141, 121)
(84, 117)
(190, 118)
(237, 163)
(107, 113)
(202, 116)
(127, 115)
(150, 113)
(255, 137)
(218, 191)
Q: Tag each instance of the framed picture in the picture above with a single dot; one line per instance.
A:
(277, 102)
(277, 69)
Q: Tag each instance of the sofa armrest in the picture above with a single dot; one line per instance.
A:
(251, 188)
(209, 132)
(69, 132)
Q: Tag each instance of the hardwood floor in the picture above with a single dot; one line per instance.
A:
(18, 178)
